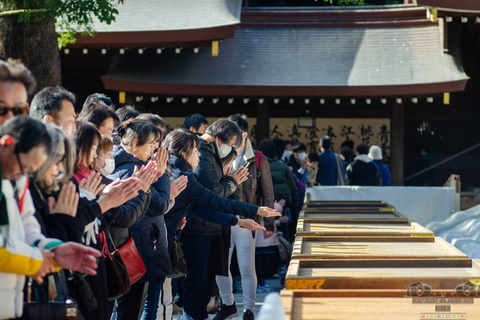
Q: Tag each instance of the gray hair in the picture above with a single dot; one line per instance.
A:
(58, 139)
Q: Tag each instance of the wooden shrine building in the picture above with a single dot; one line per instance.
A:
(412, 64)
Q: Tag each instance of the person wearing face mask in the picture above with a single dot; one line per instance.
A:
(217, 142)
(285, 156)
(298, 162)
(104, 161)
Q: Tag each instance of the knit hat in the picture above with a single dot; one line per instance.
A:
(375, 153)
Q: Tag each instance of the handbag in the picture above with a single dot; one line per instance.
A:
(179, 265)
(133, 261)
(284, 247)
(118, 280)
(49, 300)
(80, 291)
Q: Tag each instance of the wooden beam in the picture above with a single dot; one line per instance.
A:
(397, 120)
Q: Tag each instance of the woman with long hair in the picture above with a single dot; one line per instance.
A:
(182, 146)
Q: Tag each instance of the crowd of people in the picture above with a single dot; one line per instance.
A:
(79, 187)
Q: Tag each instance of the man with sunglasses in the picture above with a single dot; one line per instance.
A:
(16, 83)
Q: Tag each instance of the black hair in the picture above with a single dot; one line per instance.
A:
(14, 71)
(85, 137)
(96, 97)
(362, 149)
(138, 129)
(287, 142)
(279, 146)
(96, 113)
(126, 113)
(313, 157)
(326, 142)
(348, 143)
(156, 120)
(240, 120)
(347, 153)
(297, 147)
(225, 130)
(268, 148)
(181, 140)
(194, 120)
(27, 132)
(49, 102)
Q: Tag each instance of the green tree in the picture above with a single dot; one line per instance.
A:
(27, 31)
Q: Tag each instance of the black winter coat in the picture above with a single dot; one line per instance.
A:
(150, 233)
(126, 215)
(199, 194)
(361, 173)
(60, 226)
(209, 173)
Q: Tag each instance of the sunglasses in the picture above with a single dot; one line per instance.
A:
(17, 111)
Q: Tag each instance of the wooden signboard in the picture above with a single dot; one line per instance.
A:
(354, 217)
(312, 228)
(381, 274)
(363, 247)
(311, 305)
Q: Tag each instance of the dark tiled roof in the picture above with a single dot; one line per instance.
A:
(299, 61)
(168, 15)
(151, 23)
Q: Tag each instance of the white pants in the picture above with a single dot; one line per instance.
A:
(243, 240)
(165, 306)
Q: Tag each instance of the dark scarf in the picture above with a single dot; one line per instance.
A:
(3, 217)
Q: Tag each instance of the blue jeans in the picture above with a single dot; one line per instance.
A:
(151, 304)
(196, 250)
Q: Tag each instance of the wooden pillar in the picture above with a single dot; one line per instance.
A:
(263, 120)
(396, 147)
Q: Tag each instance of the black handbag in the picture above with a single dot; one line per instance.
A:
(49, 300)
(80, 291)
(179, 265)
(118, 279)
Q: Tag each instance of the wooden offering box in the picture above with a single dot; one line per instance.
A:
(354, 217)
(445, 274)
(333, 206)
(313, 228)
(364, 247)
(311, 305)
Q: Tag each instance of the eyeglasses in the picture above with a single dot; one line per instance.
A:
(17, 111)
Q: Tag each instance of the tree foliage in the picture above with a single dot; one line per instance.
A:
(71, 16)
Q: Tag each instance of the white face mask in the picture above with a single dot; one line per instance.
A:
(224, 150)
(287, 154)
(109, 166)
(301, 156)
